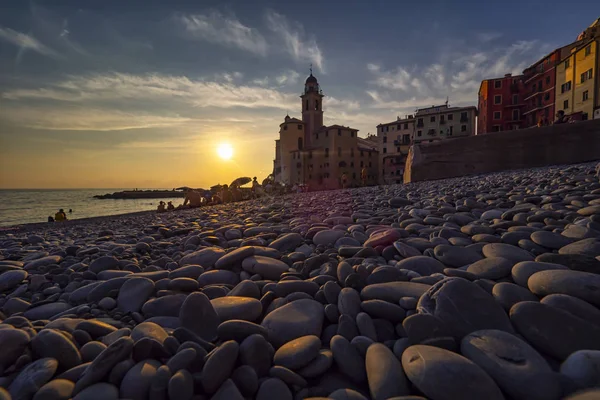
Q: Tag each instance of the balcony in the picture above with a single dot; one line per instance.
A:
(533, 93)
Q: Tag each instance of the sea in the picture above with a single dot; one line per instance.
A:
(23, 206)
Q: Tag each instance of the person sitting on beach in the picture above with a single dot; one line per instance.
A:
(236, 194)
(60, 216)
(50, 219)
(161, 207)
(344, 181)
(170, 206)
(226, 195)
(193, 198)
(363, 176)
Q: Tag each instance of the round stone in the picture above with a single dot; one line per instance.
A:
(583, 368)
(199, 316)
(268, 268)
(589, 247)
(491, 268)
(514, 365)
(538, 324)
(385, 376)
(298, 352)
(574, 306)
(578, 284)
(550, 240)
(134, 293)
(137, 381)
(32, 378)
(13, 343)
(456, 256)
(52, 344)
(348, 359)
(181, 386)
(296, 319)
(422, 265)
(99, 391)
(57, 389)
(522, 271)
(219, 366)
(507, 251)
(393, 291)
(206, 257)
(327, 237)
(10, 279)
(234, 307)
(273, 388)
(435, 373)
(149, 330)
(509, 294)
(464, 307)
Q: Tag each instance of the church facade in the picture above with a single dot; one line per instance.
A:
(322, 157)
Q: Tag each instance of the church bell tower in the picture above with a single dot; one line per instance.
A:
(312, 108)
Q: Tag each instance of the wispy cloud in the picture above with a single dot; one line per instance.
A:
(215, 27)
(289, 77)
(300, 47)
(486, 37)
(85, 119)
(26, 42)
(405, 88)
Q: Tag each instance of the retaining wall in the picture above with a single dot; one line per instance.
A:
(491, 152)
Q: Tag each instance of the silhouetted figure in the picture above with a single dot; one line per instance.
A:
(60, 216)
(561, 118)
(50, 219)
(70, 211)
(170, 206)
(161, 207)
(193, 198)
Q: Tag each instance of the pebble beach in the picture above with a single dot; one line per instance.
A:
(482, 287)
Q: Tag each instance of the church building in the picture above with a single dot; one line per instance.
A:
(310, 153)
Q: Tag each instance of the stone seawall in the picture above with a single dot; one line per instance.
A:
(492, 152)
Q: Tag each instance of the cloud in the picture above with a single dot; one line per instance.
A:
(157, 87)
(26, 42)
(84, 119)
(405, 88)
(299, 47)
(289, 77)
(261, 81)
(229, 31)
(486, 37)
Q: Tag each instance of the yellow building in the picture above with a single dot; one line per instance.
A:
(322, 157)
(577, 82)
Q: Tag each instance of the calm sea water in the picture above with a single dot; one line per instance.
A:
(35, 205)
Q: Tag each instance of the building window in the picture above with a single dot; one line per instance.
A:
(369, 154)
(567, 63)
(299, 127)
(362, 153)
(496, 128)
(306, 105)
(450, 117)
(316, 105)
(565, 87)
(497, 99)
(362, 164)
(451, 130)
(352, 164)
(586, 75)
(354, 175)
(497, 84)
(547, 80)
(463, 128)
(547, 96)
(339, 132)
(406, 125)
(515, 115)
(387, 128)
(392, 128)
(385, 139)
(418, 133)
(432, 118)
(384, 150)
(310, 155)
(497, 115)
(351, 133)
(585, 95)
(326, 152)
(352, 152)
(285, 127)
(339, 151)
(565, 104)
(515, 99)
(317, 136)
(299, 143)
(588, 50)
(398, 149)
(326, 133)
(420, 122)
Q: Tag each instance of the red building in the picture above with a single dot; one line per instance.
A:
(500, 104)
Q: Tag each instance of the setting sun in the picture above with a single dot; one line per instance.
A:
(225, 151)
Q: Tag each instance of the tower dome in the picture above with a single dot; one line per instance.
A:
(311, 79)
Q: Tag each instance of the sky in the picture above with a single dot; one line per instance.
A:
(140, 93)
